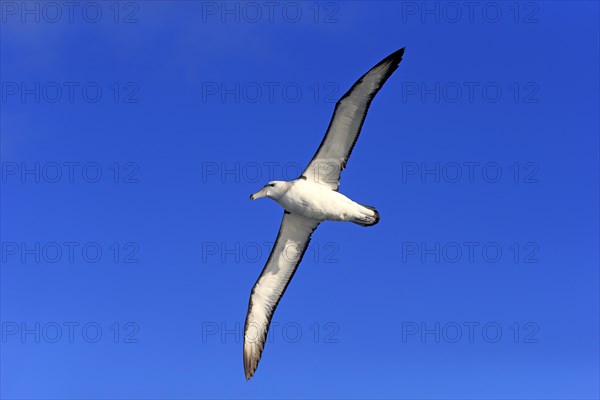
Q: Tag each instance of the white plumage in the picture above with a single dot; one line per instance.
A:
(310, 200)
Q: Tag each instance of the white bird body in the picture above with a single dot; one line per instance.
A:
(310, 200)
(317, 201)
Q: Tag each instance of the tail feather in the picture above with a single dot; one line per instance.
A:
(368, 220)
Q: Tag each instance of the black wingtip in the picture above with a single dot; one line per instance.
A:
(397, 55)
(393, 59)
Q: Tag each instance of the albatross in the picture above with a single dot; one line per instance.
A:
(310, 200)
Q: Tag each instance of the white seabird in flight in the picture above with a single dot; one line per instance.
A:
(310, 200)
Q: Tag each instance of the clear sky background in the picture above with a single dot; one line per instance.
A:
(133, 134)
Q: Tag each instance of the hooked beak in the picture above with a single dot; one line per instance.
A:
(261, 193)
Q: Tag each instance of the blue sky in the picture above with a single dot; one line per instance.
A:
(133, 133)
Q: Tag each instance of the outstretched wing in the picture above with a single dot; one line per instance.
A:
(290, 245)
(344, 128)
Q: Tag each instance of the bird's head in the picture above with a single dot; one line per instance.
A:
(273, 190)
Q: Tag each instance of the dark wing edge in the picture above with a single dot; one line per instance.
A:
(289, 248)
(331, 171)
